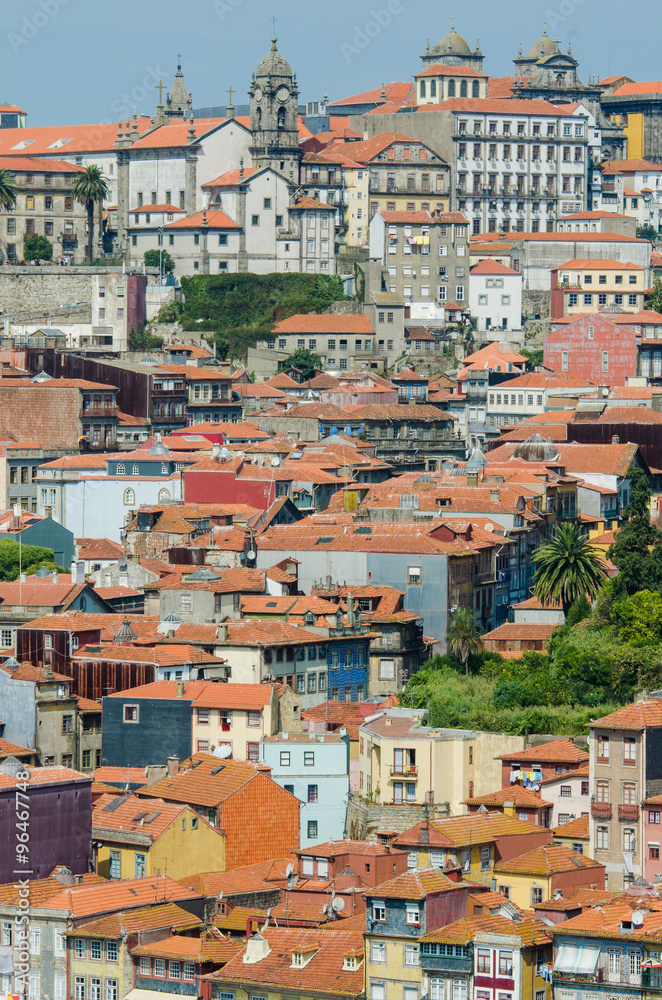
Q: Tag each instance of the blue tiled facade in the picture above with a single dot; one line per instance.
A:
(348, 668)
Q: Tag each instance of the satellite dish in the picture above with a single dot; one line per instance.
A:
(605, 391)
(289, 871)
(339, 904)
(223, 751)
(275, 461)
(637, 918)
(251, 554)
(489, 526)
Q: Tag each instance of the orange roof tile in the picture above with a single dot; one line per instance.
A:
(575, 828)
(197, 785)
(153, 917)
(416, 884)
(546, 861)
(245, 879)
(465, 930)
(636, 717)
(39, 776)
(556, 751)
(521, 797)
(314, 323)
(214, 220)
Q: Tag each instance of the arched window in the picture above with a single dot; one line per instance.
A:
(475, 89)
(281, 118)
(422, 88)
(463, 89)
(129, 497)
(451, 88)
(120, 469)
(437, 989)
(135, 470)
(459, 989)
(164, 495)
(258, 117)
(433, 88)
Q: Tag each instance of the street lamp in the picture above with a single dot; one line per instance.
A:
(160, 232)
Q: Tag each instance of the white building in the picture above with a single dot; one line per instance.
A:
(495, 296)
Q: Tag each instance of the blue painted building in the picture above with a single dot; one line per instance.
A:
(138, 731)
(314, 768)
(43, 531)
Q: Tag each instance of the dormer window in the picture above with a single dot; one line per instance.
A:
(297, 958)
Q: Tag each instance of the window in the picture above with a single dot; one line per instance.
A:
(485, 856)
(459, 989)
(603, 749)
(653, 816)
(111, 951)
(414, 576)
(413, 914)
(131, 713)
(536, 894)
(79, 987)
(629, 751)
(602, 838)
(35, 941)
(60, 983)
(629, 793)
(189, 971)
(255, 220)
(654, 852)
(95, 988)
(253, 751)
(378, 950)
(285, 758)
(111, 989)
(483, 964)
(95, 951)
(411, 954)
(312, 793)
(140, 865)
(566, 790)
(629, 841)
(379, 911)
(309, 758)
(159, 968)
(254, 718)
(174, 970)
(79, 947)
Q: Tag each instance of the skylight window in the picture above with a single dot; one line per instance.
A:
(23, 144)
(59, 143)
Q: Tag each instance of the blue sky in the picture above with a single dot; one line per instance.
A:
(85, 61)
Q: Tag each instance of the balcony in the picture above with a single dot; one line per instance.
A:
(69, 238)
(98, 411)
(602, 810)
(579, 977)
(628, 812)
(651, 979)
(408, 771)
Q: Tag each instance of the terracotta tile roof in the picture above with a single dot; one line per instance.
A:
(636, 717)
(424, 218)
(480, 105)
(120, 775)
(211, 947)
(110, 593)
(205, 694)
(535, 604)
(327, 323)
(87, 705)
(148, 918)
(231, 178)
(156, 209)
(259, 390)
(452, 71)
(521, 797)
(161, 655)
(133, 816)
(323, 973)
(39, 776)
(40, 593)
(416, 884)
(605, 917)
(476, 828)
(575, 828)
(214, 220)
(465, 930)
(579, 459)
(334, 848)
(577, 772)
(8, 749)
(197, 785)
(500, 86)
(393, 91)
(493, 267)
(546, 861)
(260, 877)
(331, 533)
(98, 548)
(516, 631)
(556, 751)
(590, 264)
(95, 895)
(176, 133)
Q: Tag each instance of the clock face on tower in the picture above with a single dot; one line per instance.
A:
(258, 94)
(282, 93)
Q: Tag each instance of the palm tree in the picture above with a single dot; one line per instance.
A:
(7, 189)
(462, 636)
(88, 188)
(568, 567)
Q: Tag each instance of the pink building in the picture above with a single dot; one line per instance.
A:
(652, 858)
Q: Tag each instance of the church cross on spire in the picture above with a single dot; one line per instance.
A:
(273, 25)
(159, 86)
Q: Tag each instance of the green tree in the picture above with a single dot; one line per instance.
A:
(639, 619)
(654, 297)
(88, 188)
(37, 248)
(142, 340)
(567, 567)
(534, 356)
(8, 190)
(647, 232)
(306, 361)
(151, 258)
(31, 555)
(637, 547)
(48, 564)
(462, 636)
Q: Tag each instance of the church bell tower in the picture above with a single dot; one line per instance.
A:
(274, 115)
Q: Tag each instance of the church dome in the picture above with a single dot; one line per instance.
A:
(543, 47)
(453, 44)
(536, 449)
(274, 64)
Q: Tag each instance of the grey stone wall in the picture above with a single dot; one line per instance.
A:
(364, 819)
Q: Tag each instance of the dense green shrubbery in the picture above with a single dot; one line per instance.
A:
(241, 309)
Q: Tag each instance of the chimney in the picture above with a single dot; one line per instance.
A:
(350, 611)
(615, 439)
(54, 576)
(495, 496)
(155, 772)
(24, 578)
(180, 689)
(453, 873)
(222, 633)
(173, 765)
(64, 876)
(472, 478)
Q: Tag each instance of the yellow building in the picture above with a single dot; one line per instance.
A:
(401, 761)
(98, 950)
(476, 843)
(144, 837)
(588, 285)
(536, 876)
